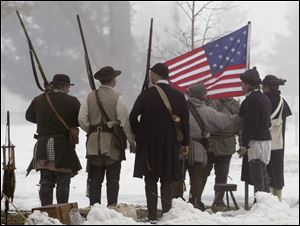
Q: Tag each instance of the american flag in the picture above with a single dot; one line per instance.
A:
(217, 65)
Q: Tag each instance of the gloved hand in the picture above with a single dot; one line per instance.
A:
(132, 147)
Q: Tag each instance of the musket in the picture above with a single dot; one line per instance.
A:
(86, 56)
(146, 81)
(8, 168)
(33, 56)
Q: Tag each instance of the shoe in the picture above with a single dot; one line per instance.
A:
(200, 205)
(219, 207)
(153, 221)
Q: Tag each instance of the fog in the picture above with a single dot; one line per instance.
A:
(117, 33)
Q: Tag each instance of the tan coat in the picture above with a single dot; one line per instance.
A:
(214, 121)
(103, 143)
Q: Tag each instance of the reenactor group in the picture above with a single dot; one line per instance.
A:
(170, 133)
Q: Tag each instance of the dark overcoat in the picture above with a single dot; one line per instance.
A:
(256, 112)
(48, 125)
(157, 148)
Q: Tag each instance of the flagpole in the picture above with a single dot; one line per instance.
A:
(247, 67)
(248, 46)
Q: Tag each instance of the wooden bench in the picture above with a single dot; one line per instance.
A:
(59, 211)
(227, 188)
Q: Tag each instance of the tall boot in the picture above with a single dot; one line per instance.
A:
(165, 191)
(63, 181)
(62, 193)
(219, 199)
(112, 192)
(94, 191)
(151, 195)
(46, 194)
(112, 185)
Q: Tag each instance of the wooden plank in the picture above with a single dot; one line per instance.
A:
(59, 211)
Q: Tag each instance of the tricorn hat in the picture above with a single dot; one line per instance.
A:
(61, 79)
(251, 77)
(161, 69)
(106, 73)
(272, 80)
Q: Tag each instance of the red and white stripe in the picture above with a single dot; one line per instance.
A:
(193, 67)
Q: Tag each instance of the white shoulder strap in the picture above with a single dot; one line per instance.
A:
(278, 108)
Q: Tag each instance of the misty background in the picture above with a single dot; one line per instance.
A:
(116, 34)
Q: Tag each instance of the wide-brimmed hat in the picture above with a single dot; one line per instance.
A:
(251, 77)
(197, 90)
(61, 79)
(161, 69)
(272, 80)
(106, 73)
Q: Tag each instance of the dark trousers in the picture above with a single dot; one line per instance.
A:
(259, 175)
(276, 169)
(95, 179)
(152, 195)
(221, 166)
(48, 180)
(196, 173)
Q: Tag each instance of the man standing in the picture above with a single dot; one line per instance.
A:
(205, 120)
(101, 115)
(280, 111)
(157, 139)
(221, 148)
(55, 156)
(256, 137)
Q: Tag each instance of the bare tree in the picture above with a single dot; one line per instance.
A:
(200, 13)
(203, 19)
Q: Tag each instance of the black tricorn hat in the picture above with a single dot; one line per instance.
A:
(251, 77)
(161, 69)
(272, 80)
(106, 73)
(61, 79)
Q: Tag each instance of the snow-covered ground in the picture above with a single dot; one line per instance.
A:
(267, 211)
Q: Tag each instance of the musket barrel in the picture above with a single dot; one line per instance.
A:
(31, 48)
(87, 60)
(146, 80)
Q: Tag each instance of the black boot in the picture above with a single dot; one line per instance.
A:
(63, 187)
(165, 191)
(219, 198)
(112, 185)
(94, 191)
(46, 194)
(47, 183)
(112, 192)
(151, 195)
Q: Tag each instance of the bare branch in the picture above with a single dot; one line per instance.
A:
(207, 27)
(202, 8)
(189, 5)
(224, 8)
(161, 53)
(184, 10)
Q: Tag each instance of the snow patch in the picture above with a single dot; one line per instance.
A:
(41, 218)
(101, 215)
